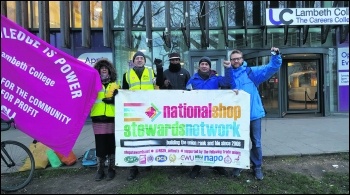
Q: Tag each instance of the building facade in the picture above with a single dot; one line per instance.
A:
(314, 77)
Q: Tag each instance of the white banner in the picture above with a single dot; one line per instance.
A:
(175, 127)
(307, 16)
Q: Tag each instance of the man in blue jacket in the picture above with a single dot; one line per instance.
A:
(207, 79)
(249, 83)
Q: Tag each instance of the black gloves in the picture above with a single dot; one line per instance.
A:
(158, 62)
(115, 92)
(108, 100)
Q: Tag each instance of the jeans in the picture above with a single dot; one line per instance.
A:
(255, 137)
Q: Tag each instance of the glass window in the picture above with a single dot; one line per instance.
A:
(158, 16)
(96, 14)
(54, 7)
(138, 13)
(195, 39)
(214, 14)
(34, 6)
(76, 20)
(236, 38)
(254, 38)
(118, 13)
(194, 10)
(293, 37)
(275, 36)
(11, 10)
(231, 13)
(177, 13)
(249, 9)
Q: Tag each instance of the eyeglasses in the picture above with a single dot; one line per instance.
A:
(236, 59)
(175, 60)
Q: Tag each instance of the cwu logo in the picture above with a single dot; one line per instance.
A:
(187, 158)
(281, 17)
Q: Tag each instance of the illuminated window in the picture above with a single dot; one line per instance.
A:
(11, 10)
(54, 7)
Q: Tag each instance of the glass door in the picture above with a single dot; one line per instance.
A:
(302, 86)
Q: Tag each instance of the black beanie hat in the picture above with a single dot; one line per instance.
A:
(138, 53)
(205, 59)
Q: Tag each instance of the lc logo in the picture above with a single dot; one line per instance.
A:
(280, 17)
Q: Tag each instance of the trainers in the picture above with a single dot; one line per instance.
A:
(258, 174)
(236, 172)
(221, 171)
(133, 173)
(195, 171)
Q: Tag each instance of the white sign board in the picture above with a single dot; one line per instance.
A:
(343, 58)
(343, 78)
(307, 16)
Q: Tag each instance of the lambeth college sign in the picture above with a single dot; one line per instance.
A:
(307, 16)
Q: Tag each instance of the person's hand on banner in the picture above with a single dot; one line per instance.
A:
(115, 92)
(108, 100)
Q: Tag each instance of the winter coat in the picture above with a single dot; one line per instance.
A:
(213, 82)
(249, 84)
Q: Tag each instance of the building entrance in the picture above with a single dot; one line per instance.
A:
(302, 85)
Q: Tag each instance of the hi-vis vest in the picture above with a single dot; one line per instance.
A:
(146, 82)
(100, 108)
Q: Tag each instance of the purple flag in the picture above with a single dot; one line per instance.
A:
(48, 92)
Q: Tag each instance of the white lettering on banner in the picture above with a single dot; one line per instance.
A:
(41, 76)
(71, 77)
(50, 110)
(14, 61)
(7, 96)
(23, 66)
(6, 111)
(25, 107)
(18, 35)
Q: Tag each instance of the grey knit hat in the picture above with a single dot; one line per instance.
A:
(205, 59)
(138, 53)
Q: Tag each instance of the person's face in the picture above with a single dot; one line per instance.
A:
(139, 61)
(175, 61)
(104, 70)
(204, 67)
(236, 60)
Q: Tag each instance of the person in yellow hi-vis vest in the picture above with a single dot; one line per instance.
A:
(139, 78)
(102, 116)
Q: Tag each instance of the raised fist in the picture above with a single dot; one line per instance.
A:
(158, 62)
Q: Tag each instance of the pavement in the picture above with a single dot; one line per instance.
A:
(292, 135)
